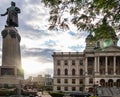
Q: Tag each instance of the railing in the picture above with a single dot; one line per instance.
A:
(108, 91)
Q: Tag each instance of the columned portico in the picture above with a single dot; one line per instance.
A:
(98, 68)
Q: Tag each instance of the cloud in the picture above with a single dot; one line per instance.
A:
(42, 55)
(37, 42)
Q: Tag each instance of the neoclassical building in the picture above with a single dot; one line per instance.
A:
(98, 64)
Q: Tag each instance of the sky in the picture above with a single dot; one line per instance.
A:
(37, 42)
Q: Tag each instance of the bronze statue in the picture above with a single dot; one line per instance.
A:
(12, 18)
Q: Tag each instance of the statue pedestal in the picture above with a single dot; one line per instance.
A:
(11, 71)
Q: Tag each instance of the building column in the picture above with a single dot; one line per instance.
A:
(106, 65)
(114, 65)
(98, 64)
(0, 71)
(95, 64)
(86, 66)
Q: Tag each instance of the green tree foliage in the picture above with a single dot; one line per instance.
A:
(101, 17)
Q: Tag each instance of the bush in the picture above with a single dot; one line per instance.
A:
(53, 94)
(93, 96)
(7, 93)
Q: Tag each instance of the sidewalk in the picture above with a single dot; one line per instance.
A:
(44, 94)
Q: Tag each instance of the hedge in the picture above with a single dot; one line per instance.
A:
(53, 94)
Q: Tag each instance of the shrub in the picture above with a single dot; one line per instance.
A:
(53, 94)
(7, 92)
(93, 96)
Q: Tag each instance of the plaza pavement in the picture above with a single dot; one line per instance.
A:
(44, 94)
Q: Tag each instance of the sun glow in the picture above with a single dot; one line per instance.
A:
(32, 67)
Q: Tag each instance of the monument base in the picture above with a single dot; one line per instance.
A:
(10, 80)
(11, 72)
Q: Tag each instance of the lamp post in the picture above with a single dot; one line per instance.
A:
(19, 87)
(95, 84)
(95, 89)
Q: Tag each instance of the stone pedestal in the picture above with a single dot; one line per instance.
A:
(11, 71)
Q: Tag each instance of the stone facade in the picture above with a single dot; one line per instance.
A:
(98, 64)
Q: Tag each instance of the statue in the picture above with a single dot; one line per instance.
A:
(12, 18)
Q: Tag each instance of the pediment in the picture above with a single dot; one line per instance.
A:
(112, 48)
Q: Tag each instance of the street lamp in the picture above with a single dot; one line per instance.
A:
(95, 89)
(95, 84)
(19, 86)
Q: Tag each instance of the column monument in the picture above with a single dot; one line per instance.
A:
(11, 72)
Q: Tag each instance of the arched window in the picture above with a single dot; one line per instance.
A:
(58, 72)
(66, 71)
(73, 71)
(110, 83)
(81, 71)
(118, 82)
(102, 83)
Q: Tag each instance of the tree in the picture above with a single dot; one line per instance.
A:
(101, 17)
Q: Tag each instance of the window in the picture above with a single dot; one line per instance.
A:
(58, 81)
(98, 44)
(66, 62)
(73, 71)
(90, 80)
(58, 62)
(73, 89)
(81, 62)
(66, 88)
(90, 61)
(73, 62)
(81, 88)
(58, 88)
(81, 71)
(58, 72)
(90, 71)
(73, 81)
(65, 80)
(81, 81)
(66, 72)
